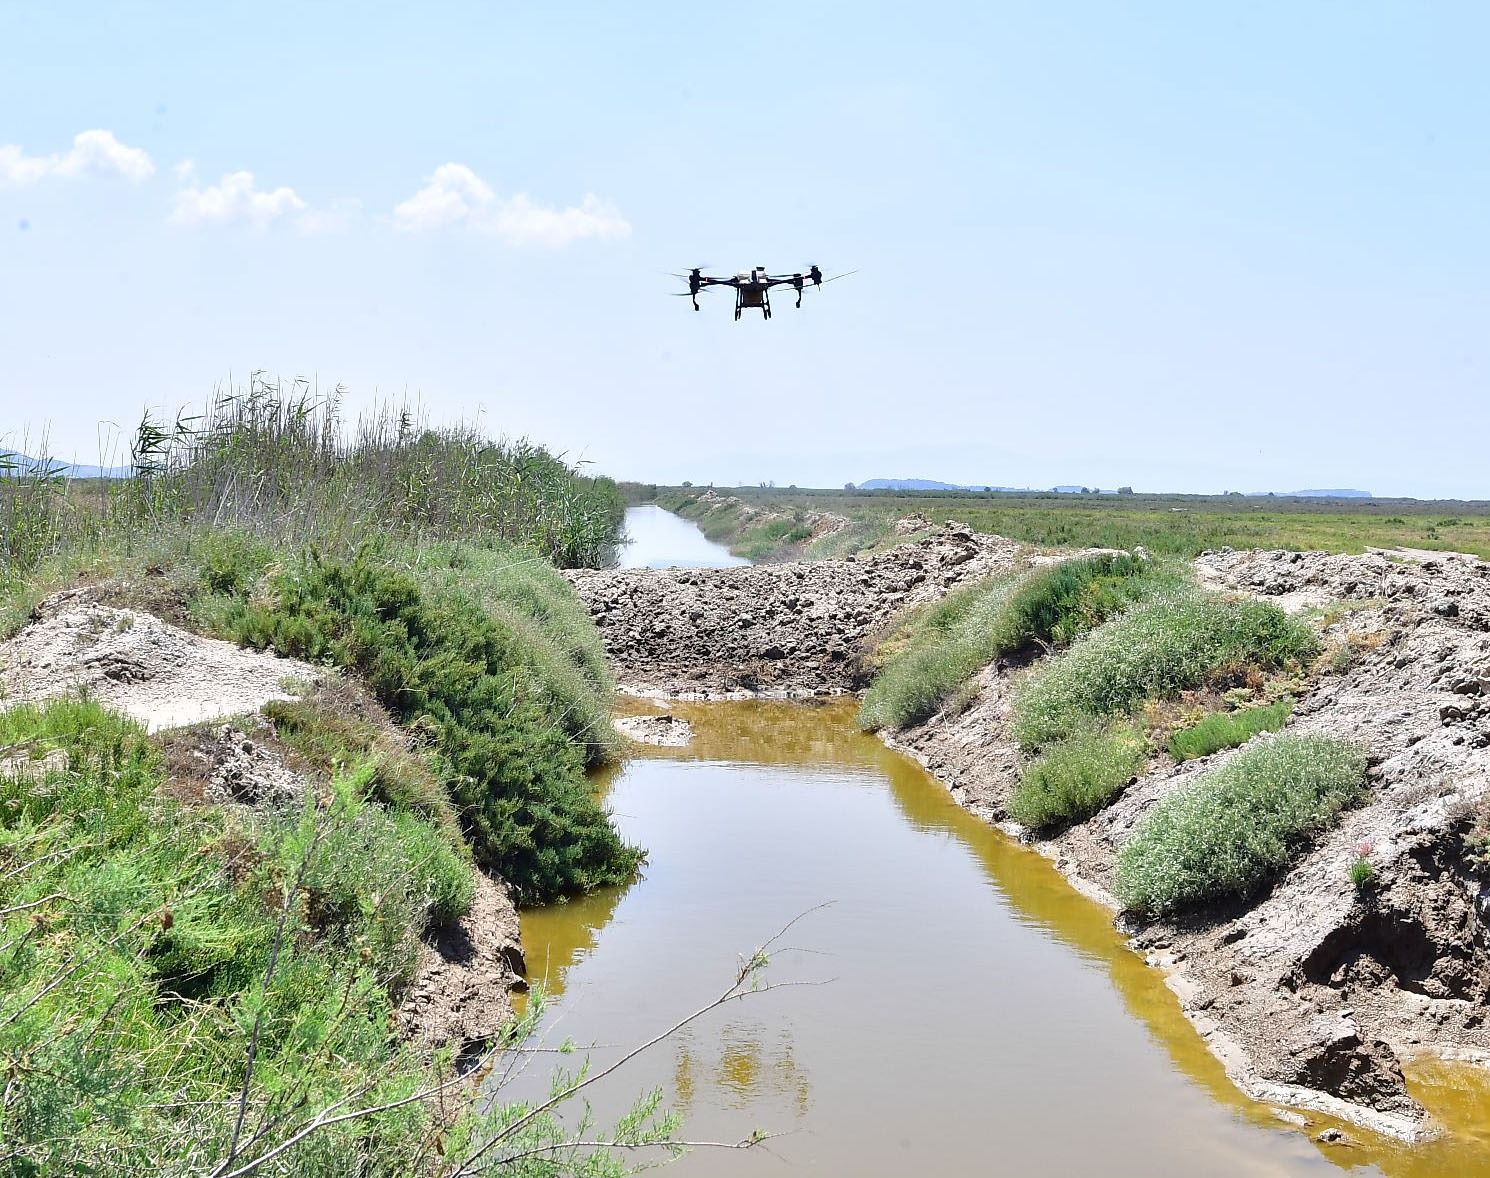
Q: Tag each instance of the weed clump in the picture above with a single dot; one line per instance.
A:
(1225, 730)
(1076, 777)
(1158, 649)
(325, 730)
(978, 624)
(1232, 829)
(459, 675)
(139, 932)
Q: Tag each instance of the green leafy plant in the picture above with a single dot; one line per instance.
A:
(1077, 776)
(437, 665)
(1225, 730)
(1156, 650)
(977, 624)
(1229, 831)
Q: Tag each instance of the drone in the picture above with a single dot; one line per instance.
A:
(753, 287)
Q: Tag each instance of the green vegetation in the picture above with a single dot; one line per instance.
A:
(1363, 875)
(1232, 829)
(456, 672)
(554, 637)
(138, 933)
(419, 558)
(1167, 525)
(1225, 730)
(189, 987)
(279, 463)
(205, 989)
(1076, 777)
(1159, 648)
(327, 731)
(978, 624)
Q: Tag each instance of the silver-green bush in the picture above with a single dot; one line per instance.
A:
(1229, 831)
(1157, 649)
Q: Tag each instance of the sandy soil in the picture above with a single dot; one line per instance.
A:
(157, 673)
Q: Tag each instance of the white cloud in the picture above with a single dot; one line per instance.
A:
(337, 217)
(456, 196)
(233, 198)
(95, 153)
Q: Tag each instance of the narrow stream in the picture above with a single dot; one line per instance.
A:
(970, 1012)
(658, 539)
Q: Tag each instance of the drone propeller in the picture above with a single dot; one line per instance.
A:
(836, 277)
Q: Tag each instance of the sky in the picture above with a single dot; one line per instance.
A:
(1176, 246)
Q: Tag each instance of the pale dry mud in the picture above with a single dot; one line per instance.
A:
(153, 672)
(661, 731)
(204, 697)
(1312, 994)
(782, 630)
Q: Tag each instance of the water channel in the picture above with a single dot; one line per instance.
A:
(969, 1011)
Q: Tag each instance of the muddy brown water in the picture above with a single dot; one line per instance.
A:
(976, 1014)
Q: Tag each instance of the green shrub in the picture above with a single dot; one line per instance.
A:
(440, 666)
(946, 646)
(1154, 651)
(376, 880)
(1362, 875)
(1229, 831)
(977, 624)
(138, 934)
(325, 730)
(231, 561)
(1058, 602)
(555, 637)
(1076, 777)
(1226, 730)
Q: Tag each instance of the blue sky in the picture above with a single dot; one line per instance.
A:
(1177, 246)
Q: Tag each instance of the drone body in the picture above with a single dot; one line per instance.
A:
(753, 287)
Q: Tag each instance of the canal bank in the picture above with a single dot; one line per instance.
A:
(1348, 1028)
(967, 1006)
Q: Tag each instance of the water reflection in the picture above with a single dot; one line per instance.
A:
(657, 539)
(978, 997)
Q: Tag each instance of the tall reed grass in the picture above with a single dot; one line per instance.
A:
(284, 461)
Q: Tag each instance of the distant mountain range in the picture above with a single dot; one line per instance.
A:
(23, 464)
(1072, 489)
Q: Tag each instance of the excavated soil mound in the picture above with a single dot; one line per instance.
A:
(1315, 993)
(788, 629)
(157, 673)
(466, 973)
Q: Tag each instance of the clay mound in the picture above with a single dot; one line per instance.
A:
(773, 630)
(664, 731)
(156, 673)
(461, 993)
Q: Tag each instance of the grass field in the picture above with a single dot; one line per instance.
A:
(1175, 525)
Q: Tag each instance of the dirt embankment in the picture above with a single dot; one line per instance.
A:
(204, 696)
(744, 518)
(785, 630)
(1314, 993)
